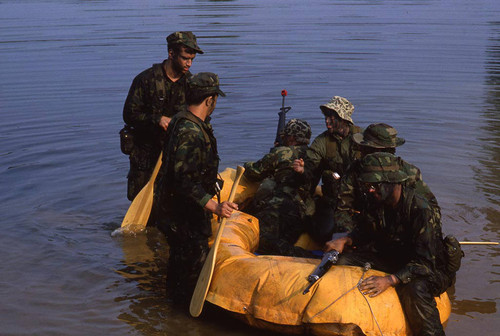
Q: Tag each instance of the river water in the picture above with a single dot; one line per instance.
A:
(429, 68)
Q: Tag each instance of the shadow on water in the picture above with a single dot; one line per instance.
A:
(144, 268)
(466, 307)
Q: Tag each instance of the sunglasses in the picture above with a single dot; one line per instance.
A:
(372, 187)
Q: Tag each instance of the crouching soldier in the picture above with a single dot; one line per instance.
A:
(282, 208)
(375, 138)
(401, 236)
(327, 159)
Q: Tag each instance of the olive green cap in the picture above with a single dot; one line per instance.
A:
(186, 38)
(381, 167)
(379, 136)
(205, 82)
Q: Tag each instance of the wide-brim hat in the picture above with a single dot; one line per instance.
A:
(186, 38)
(381, 167)
(340, 106)
(379, 136)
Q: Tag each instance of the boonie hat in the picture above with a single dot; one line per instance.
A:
(379, 136)
(299, 129)
(186, 38)
(205, 82)
(341, 106)
(381, 167)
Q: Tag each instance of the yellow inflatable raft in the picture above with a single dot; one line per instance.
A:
(266, 291)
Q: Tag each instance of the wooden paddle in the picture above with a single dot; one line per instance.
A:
(138, 213)
(203, 284)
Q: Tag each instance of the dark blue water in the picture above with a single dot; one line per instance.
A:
(429, 68)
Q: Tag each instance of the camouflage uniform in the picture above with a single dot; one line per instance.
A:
(329, 154)
(281, 210)
(184, 185)
(405, 241)
(349, 204)
(151, 96)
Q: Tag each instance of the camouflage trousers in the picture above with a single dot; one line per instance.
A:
(142, 162)
(187, 253)
(321, 224)
(281, 224)
(137, 179)
(417, 296)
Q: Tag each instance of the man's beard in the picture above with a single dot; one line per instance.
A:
(341, 129)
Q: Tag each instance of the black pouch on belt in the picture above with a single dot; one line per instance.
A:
(454, 253)
(127, 139)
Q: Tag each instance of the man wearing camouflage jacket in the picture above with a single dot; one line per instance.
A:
(282, 209)
(378, 137)
(402, 237)
(186, 185)
(327, 159)
(155, 96)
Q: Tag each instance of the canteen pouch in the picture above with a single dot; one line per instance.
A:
(454, 253)
(127, 139)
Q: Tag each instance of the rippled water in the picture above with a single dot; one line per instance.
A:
(429, 68)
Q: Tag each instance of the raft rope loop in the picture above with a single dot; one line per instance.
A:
(366, 268)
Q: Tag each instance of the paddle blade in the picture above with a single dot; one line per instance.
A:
(137, 215)
(205, 277)
(203, 283)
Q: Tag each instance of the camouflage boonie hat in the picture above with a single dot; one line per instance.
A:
(381, 167)
(379, 136)
(205, 82)
(341, 106)
(186, 38)
(300, 130)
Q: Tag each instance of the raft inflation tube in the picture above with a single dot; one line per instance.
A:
(266, 291)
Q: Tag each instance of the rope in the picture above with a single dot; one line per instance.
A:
(365, 269)
(371, 312)
(356, 285)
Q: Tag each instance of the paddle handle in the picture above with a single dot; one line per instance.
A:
(239, 173)
(205, 277)
(478, 243)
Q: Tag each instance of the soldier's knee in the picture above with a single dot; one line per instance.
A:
(416, 292)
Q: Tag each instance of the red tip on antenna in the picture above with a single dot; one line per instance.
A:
(284, 93)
